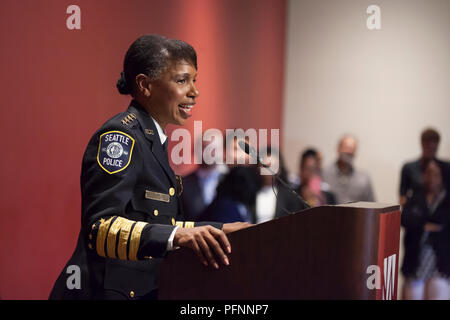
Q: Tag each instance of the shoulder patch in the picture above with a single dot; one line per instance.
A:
(114, 151)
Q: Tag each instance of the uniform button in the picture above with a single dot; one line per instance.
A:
(155, 212)
(132, 294)
(173, 221)
(90, 246)
(171, 191)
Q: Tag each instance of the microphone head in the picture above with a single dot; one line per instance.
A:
(248, 149)
(244, 146)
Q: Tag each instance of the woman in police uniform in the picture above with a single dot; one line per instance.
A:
(130, 206)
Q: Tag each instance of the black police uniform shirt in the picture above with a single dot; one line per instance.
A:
(130, 208)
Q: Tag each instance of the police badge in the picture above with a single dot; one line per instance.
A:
(114, 151)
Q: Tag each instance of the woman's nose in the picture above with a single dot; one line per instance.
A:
(193, 93)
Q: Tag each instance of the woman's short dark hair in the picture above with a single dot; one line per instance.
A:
(308, 153)
(150, 55)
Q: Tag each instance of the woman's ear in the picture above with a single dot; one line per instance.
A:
(143, 85)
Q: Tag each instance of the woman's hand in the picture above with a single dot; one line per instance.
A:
(235, 226)
(206, 241)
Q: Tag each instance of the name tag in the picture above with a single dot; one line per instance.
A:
(157, 196)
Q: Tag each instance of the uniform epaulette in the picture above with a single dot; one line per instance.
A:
(128, 119)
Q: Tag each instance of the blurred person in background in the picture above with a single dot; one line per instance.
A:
(235, 196)
(294, 177)
(312, 189)
(411, 174)
(199, 187)
(348, 183)
(425, 217)
(274, 200)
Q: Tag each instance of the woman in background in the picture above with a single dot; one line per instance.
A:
(311, 188)
(425, 216)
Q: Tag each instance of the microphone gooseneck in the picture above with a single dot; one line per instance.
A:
(252, 153)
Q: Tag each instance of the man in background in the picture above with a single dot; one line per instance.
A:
(199, 187)
(411, 175)
(348, 183)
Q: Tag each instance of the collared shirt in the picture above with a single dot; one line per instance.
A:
(163, 138)
(348, 187)
(161, 133)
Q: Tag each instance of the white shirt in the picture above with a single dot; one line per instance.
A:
(163, 138)
(209, 179)
(266, 202)
(162, 135)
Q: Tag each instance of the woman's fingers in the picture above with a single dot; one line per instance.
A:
(222, 238)
(207, 242)
(201, 240)
(213, 238)
(199, 253)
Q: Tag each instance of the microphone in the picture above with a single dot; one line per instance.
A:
(250, 151)
(253, 154)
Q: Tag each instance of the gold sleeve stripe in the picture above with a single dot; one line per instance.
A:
(101, 236)
(112, 236)
(136, 239)
(188, 224)
(123, 239)
(179, 224)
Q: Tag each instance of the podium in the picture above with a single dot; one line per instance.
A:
(345, 251)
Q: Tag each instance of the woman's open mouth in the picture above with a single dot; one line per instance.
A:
(186, 109)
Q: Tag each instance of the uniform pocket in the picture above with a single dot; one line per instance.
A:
(141, 201)
(153, 203)
(131, 279)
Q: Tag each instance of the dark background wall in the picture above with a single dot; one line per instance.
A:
(58, 87)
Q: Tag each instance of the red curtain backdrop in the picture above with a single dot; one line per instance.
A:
(58, 87)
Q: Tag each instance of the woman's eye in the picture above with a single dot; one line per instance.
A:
(181, 81)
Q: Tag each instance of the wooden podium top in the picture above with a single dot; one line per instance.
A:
(370, 205)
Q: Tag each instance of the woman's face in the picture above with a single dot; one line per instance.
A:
(308, 170)
(172, 96)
